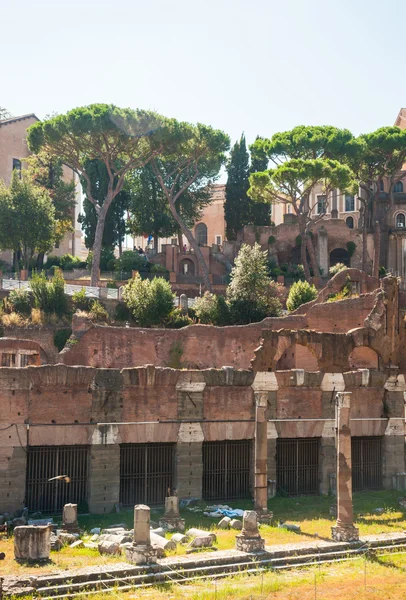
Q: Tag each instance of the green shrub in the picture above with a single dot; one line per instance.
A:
(177, 319)
(337, 268)
(298, 240)
(300, 293)
(382, 271)
(131, 261)
(343, 294)
(98, 312)
(212, 310)
(49, 296)
(111, 264)
(69, 262)
(80, 301)
(158, 269)
(52, 261)
(274, 269)
(293, 271)
(122, 312)
(21, 302)
(271, 240)
(150, 301)
(61, 337)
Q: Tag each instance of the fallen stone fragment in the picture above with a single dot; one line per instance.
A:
(200, 533)
(179, 538)
(109, 548)
(236, 524)
(201, 542)
(159, 531)
(161, 542)
(116, 537)
(77, 544)
(94, 538)
(224, 523)
(90, 545)
(67, 538)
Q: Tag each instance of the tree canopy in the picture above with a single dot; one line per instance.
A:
(191, 161)
(123, 139)
(27, 218)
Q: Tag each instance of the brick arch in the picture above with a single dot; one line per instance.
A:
(298, 356)
(363, 357)
(191, 266)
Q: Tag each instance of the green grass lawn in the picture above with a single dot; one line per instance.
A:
(310, 512)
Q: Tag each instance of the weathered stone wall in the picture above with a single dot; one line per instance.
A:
(102, 408)
(43, 336)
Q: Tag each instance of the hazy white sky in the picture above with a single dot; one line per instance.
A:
(260, 66)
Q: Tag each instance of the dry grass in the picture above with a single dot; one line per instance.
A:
(37, 317)
(12, 319)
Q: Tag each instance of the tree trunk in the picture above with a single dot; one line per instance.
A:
(180, 241)
(156, 238)
(40, 260)
(364, 240)
(97, 247)
(313, 259)
(303, 256)
(193, 244)
(377, 250)
(120, 247)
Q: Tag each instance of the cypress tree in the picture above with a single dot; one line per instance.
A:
(260, 211)
(237, 204)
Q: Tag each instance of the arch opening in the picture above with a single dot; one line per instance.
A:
(339, 255)
(363, 357)
(297, 356)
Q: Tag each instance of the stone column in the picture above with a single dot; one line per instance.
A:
(249, 539)
(141, 551)
(104, 475)
(171, 520)
(32, 543)
(344, 531)
(70, 518)
(322, 250)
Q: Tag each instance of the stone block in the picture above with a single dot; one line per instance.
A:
(172, 524)
(235, 524)
(161, 542)
(346, 533)
(224, 523)
(193, 532)
(77, 544)
(142, 555)
(32, 543)
(249, 544)
(106, 547)
(179, 538)
(201, 542)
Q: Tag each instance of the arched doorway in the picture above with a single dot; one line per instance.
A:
(296, 256)
(201, 234)
(187, 267)
(297, 356)
(339, 255)
(350, 222)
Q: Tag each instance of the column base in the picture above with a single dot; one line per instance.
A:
(345, 533)
(141, 555)
(249, 544)
(264, 516)
(172, 524)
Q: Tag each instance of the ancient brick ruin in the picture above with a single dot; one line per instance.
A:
(245, 407)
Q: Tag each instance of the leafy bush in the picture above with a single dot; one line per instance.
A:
(300, 293)
(252, 295)
(274, 270)
(158, 269)
(98, 312)
(131, 261)
(21, 302)
(52, 261)
(69, 262)
(382, 271)
(337, 268)
(293, 271)
(61, 337)
(177, 319)
(212, 310)
(80, 301)
(343, 294)
(49, 296)
(150, 301)
(122, 312)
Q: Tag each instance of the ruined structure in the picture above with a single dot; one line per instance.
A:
(125, 431)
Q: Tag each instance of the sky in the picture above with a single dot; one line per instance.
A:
(260, 67)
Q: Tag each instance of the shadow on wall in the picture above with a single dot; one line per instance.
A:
(363, 357)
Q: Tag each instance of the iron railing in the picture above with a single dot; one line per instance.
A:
(366, 463)
(146, 473)
(47, 462)
(297, 466)
(227, 470)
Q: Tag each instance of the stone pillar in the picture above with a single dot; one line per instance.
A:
(32, 543)
(70, 518)
(104, 474)
(249, 539)
(183, 304)
(171, 520)
(141, 551)
(344, 531)
(322, 250)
